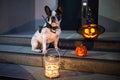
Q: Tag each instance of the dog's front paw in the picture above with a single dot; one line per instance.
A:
(57, 48)
(37, 50)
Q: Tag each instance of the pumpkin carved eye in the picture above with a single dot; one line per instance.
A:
(86, 31)
(92, 30)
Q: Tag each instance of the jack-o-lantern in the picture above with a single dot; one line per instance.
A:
(81, 50)
(90, 31)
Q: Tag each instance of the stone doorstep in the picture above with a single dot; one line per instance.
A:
(23, 72)
(67, 43)
(67, 62)
(104, 42)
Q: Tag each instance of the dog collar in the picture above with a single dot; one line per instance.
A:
(52, 29)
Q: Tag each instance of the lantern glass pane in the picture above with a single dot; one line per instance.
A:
(52, 64)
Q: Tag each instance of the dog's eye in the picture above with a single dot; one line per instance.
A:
(58, 16)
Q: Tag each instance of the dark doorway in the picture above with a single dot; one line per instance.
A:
(72, 13)
(93, 4)
(71, 19)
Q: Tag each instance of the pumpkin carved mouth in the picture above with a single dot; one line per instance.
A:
(90, 31)
(81, 50)
(90, 36)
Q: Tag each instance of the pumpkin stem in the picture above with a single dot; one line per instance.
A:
(81, 44)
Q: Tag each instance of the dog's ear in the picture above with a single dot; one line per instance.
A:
(59, 10)
(47, 10)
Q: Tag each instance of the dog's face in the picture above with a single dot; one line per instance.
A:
(53, 16)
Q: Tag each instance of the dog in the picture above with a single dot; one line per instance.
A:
(49, 33)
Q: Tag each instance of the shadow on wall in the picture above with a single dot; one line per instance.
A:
(26, 28)
(109, 24)
(39, 23)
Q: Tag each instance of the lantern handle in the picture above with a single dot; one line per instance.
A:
(56, 51)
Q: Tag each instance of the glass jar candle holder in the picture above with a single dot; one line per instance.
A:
(52, 63)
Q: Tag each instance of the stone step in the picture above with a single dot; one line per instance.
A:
(96, 61)
(15, 39)
(69, 41)
(23, 72)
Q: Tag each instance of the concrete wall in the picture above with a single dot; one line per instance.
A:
(39, 10)
(109, 15)
(16, 15)
(22, 15)
(26, 15)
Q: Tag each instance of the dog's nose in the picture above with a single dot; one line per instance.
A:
(53, 18)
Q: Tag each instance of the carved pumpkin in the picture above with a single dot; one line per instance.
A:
(81, 50)
(90, 31)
